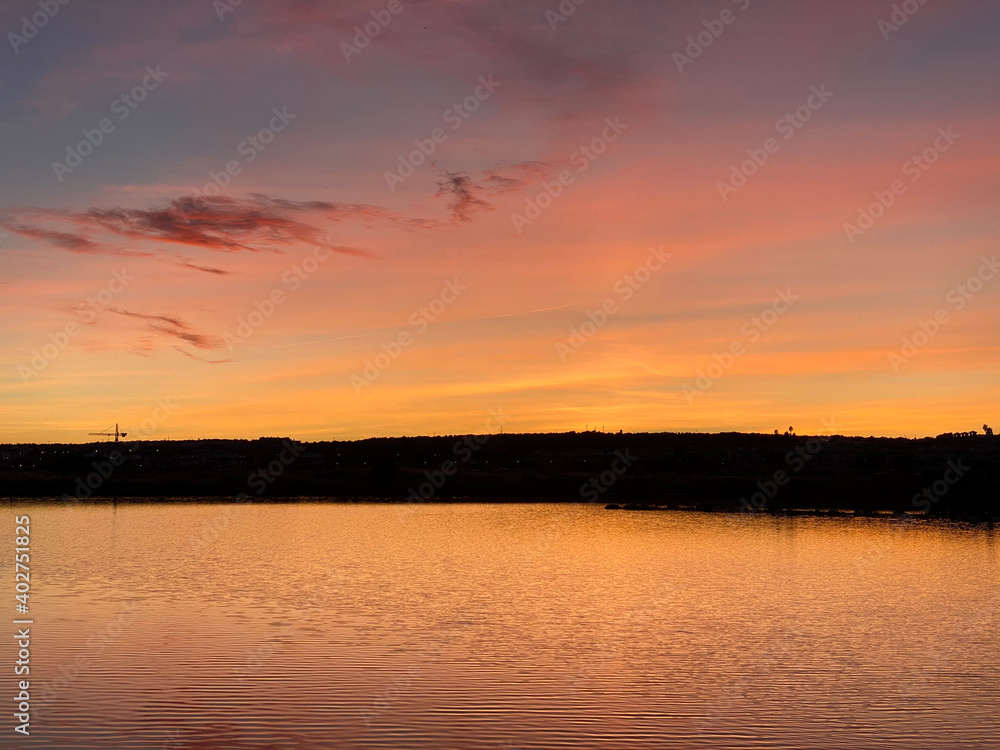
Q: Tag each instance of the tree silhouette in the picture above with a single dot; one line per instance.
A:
(988, 430)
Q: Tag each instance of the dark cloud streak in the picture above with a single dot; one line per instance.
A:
(464, 194)
(173, 327)
(259, 223)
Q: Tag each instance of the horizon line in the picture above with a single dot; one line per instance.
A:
(967, 434)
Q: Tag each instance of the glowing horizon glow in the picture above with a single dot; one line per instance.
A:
(308, 235)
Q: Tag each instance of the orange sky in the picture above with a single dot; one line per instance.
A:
(310, 217)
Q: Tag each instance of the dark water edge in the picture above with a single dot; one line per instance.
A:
(720, 506)
(977, 493)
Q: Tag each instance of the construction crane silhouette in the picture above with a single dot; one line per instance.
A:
(108, 433)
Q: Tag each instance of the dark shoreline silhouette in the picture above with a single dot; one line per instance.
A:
(956, 476)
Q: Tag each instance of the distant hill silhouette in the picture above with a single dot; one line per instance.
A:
(726, 471)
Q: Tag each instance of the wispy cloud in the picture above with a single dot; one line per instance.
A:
(218, 224)
(173, 327)
(204, 269)
(192, 355)
(514, 177)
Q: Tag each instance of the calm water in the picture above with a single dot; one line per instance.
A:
(505, 626)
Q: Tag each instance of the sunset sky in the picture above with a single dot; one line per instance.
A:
(451, 267)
